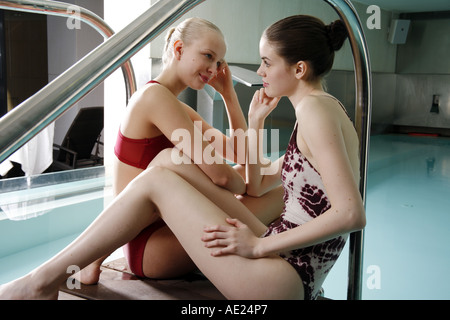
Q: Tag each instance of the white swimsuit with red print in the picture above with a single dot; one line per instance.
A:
(305, 198)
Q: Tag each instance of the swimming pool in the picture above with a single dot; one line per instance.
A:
(407, 201)
(406, 253)
(40, 215)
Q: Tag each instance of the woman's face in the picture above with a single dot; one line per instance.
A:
(202, 58)
(277, 76)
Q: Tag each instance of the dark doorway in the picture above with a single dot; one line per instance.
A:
(25, 46)
(3, 106)
(23, 61)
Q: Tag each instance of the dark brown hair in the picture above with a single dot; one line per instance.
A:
(306, 38)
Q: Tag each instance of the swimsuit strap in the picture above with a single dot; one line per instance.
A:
(335, 99)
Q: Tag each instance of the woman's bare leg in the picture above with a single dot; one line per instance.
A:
(91, 273)
(164, 257)
(270, 206)
(130, 212)
(223, 198)
(269, 278)
(124, 218)
(236, 277)
(158, 263)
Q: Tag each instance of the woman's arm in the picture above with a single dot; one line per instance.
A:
(169, 115)
(261, 177)
(232, 148)
(322, 133)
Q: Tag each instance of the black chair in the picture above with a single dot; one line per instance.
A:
(80, 147)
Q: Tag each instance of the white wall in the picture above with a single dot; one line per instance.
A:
(243, 22)
(117, 16)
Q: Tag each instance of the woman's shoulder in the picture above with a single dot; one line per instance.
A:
(150, 95)
(154, 91)
(311, 105)
(317, 104)
(316, 112)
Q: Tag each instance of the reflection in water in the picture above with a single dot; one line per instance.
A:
(430, 165)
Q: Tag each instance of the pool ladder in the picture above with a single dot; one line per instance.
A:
(33, 115)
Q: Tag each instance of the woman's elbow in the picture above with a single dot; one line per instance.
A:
(221, 180)
(357, 219)
(230, 180)
(252, 191)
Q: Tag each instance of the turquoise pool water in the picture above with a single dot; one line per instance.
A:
(407, 203)
(406, 253)
(41, 215)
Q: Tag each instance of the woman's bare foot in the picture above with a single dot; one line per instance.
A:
(89, 275)
(26, 288)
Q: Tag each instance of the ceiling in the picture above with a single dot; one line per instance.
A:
(404, 6)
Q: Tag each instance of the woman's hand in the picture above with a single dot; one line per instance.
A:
(262, 105)
(223, 81)
(234, 238)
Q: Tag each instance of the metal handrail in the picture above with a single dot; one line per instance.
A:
(61, 9)
(363, 111)
(36, 113)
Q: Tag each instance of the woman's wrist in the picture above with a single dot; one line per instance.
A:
(258, 250)
(229, 95)
(256, 122)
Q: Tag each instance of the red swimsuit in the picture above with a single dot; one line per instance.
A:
(139, 153)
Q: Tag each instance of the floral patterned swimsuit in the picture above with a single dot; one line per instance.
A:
(305, 198)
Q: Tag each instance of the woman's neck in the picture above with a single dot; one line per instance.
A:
(305, 89)
(169, 79)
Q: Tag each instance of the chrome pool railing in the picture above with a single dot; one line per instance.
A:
(34, 114)
(61, 9)
(363, 112)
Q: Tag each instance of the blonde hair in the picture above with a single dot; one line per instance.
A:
(187, 31)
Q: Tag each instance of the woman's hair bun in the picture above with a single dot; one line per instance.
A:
(337, 33)
(169, 36)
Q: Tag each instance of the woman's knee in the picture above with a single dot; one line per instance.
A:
(165, 158)
(162, 158)
(149, 178)
(169, 158)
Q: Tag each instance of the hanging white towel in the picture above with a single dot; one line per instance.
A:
(35, 156)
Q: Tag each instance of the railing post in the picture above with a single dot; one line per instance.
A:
(363, 108)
